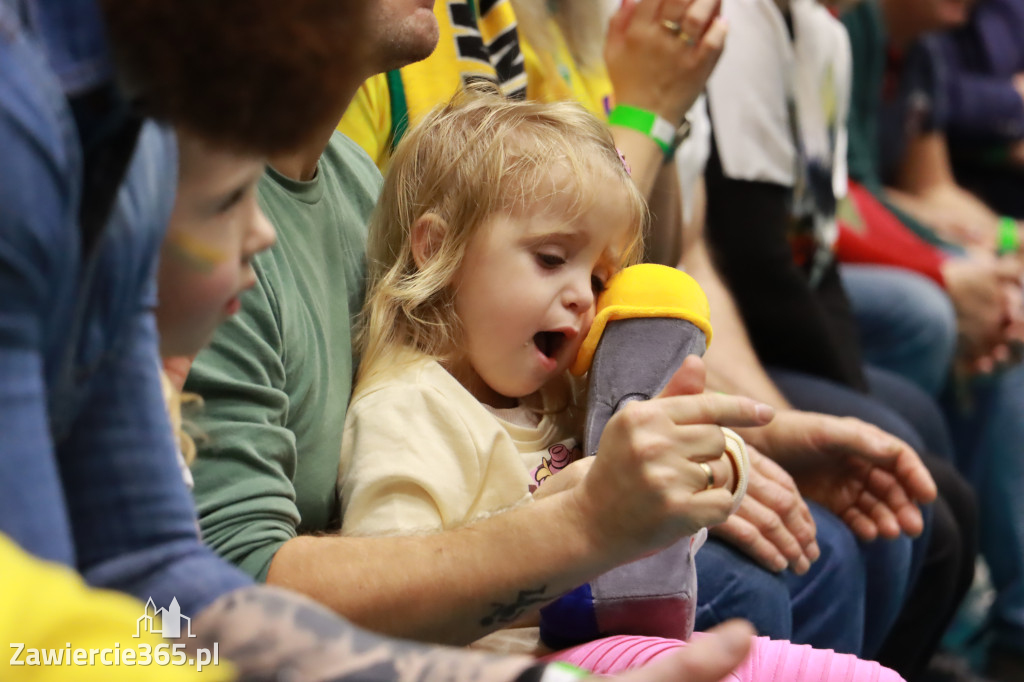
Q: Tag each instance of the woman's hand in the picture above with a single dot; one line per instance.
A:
(656, 66)
(646, 488)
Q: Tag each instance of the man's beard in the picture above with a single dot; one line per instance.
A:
(413, 41)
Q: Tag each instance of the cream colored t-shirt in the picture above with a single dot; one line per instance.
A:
(420, 453)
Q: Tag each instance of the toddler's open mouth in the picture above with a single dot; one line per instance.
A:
(549, 343)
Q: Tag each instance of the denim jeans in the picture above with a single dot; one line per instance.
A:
(989, 435)
(908, 325)
(907, 322)
(853, 594)
(823, 608)
(943, 557)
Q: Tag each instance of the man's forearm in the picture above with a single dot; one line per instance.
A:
(268, 633)
(953, 197)
(917, 207)
(450, 587)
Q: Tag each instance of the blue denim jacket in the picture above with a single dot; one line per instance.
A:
(88, 475)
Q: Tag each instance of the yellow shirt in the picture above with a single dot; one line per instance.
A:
(557, 77)
(47, 611)
(470, 47)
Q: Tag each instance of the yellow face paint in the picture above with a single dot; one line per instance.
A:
(199, 254)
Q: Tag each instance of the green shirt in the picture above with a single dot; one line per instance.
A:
(277, 378)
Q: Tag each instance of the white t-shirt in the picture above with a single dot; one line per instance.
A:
(420, 453)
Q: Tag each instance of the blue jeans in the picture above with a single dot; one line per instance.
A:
(852, 595)
(989, 437)
(908, 326)
(823, 608)
(943, 557)
(907, 322)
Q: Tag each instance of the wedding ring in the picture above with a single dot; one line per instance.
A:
(709, 472)
(672, 27)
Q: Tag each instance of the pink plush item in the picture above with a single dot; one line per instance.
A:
(769, 660)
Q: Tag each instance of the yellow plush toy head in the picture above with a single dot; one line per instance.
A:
(645, 290)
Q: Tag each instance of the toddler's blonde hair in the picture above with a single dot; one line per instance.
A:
(475, 157)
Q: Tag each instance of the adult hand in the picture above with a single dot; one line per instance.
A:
(1005, 349)
(962, 230)
(773, 525)
(566, 479)
(645, 488)
(1018, 84)
(708, 657)
(1017, 153)
(973, 284)
(865, 476)
(654, 68)
(1013, 297)
(1013, 329)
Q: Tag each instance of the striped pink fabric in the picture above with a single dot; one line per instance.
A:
(769, 660)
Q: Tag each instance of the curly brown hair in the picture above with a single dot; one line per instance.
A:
(255, 76)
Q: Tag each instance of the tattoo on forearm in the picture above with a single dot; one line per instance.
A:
(503, 614)
(275, 635)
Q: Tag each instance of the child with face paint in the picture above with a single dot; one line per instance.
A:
(215, 229)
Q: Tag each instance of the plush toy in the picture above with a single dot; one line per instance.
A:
(648, 320)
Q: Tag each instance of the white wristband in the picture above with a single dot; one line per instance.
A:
(736, 450)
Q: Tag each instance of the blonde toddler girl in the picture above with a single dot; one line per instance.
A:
(499, 224)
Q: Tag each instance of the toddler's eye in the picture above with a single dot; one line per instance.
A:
(550, 260)
(597, 284)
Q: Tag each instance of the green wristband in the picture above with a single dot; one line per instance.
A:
(1008, 240)
(560, 671)
(557, 671)
(647, 122)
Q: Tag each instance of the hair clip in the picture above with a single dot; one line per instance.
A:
(625, 164)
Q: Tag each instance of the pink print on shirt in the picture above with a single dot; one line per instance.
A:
(560, 455)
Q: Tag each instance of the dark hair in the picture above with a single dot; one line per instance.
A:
(250, 75)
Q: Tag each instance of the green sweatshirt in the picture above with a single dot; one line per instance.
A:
(277, 378)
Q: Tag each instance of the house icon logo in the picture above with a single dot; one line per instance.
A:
(170, 621)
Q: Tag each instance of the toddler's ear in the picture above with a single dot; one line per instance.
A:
(427, 236)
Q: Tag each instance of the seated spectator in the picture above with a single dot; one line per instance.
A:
(898, 151)
(982, 75)
(897, 144)
(778, 105)
(967, 327)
